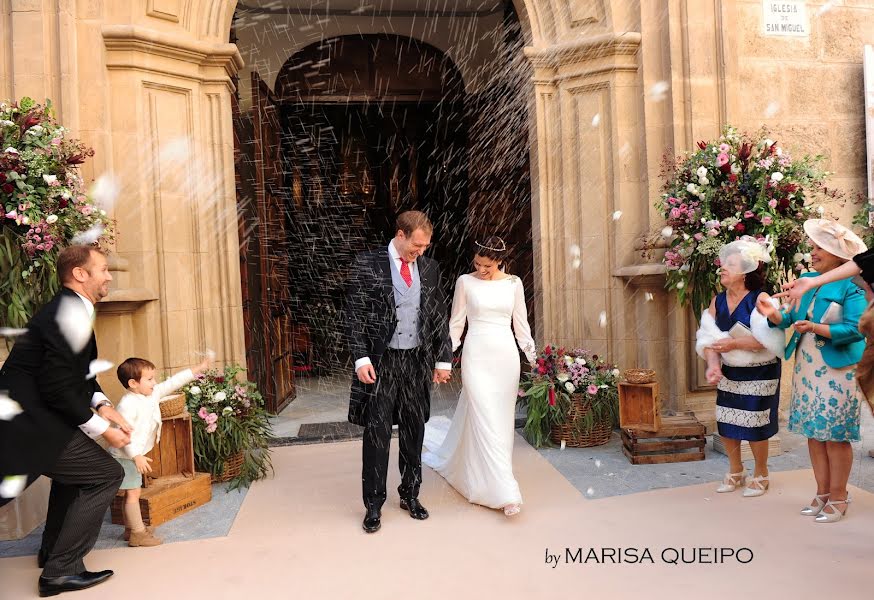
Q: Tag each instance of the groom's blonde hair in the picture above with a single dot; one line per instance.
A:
(411, 220)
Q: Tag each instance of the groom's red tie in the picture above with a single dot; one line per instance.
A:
(405, 273)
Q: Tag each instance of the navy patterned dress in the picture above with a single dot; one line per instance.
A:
(747, 397)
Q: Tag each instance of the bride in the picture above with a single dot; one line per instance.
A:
(475, 454)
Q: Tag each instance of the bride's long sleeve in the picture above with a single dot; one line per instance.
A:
(521, 328)
(459, 314)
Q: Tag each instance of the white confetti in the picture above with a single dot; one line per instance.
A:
(772, 109)
(659, 91)
(576, 263)
(105, 191)
(617, 215)
(824, 8)
(596, 119)
(625, 151)
(12, 486)
(647, 296)
(74, 322)
(90, 236)
(602, 319)
(98, 366)
(598, 463)
(9, 408)
(11, 332)
(562, 444)
(667, 232)
(590, 492)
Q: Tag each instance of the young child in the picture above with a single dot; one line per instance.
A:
(140, 407)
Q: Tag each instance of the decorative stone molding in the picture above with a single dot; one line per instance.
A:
(597, 46)
(130, 47)
(643, 275)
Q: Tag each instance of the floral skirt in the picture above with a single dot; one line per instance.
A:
(826, 402)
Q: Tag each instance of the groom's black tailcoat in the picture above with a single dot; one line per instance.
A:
(371, 322)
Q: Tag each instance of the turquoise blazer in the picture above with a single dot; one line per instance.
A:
(846, 344)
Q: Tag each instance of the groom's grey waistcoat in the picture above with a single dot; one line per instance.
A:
(407, 299)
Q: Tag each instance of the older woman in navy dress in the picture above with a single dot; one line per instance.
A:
(742, 360)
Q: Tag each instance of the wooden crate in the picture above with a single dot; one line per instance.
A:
(167, 498)
(679, 439)
(174, 454)
(639, 406)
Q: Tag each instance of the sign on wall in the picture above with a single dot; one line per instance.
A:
(788, 18)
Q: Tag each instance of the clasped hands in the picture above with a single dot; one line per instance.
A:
(367, 374)
(115, 437)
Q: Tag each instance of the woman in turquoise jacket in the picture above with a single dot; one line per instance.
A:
(826, 402)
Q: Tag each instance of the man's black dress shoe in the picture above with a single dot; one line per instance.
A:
(41, 558)
(52, 586)
(371, 520)
(417, 511)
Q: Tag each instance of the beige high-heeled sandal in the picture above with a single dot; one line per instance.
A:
(757, 486)
(816, 508)
(512, 509)
(731, 482)
(833, 517)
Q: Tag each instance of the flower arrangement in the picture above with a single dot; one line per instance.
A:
(556, 377)
(42, 206)
(732, 187)
(229, 419)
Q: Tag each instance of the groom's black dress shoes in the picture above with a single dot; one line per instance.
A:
(371, 520)
(417, 511)
(52, 586)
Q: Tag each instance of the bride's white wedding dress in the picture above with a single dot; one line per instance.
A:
(474, 453)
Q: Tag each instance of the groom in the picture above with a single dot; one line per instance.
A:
(399, 338)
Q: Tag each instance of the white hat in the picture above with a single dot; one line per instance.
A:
(749, 252)
(834, 238)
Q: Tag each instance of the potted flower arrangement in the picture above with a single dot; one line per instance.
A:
(731, 187)
(231, 427)
(43, 206)
(570, 396)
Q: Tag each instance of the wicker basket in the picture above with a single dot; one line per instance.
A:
(232, 468)
(574, 438)
(172, 405)
(639, 376)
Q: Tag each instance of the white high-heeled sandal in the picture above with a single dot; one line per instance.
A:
(833, 517)
(762, 484)
(512, 509)
(731, 482)
(816, 508)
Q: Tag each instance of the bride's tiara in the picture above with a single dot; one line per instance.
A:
(503, 247)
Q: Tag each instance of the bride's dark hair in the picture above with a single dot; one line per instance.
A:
(492, 248)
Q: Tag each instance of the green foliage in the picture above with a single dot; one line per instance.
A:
(228, 417)
(42, 206)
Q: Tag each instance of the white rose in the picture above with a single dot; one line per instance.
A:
(807, 258)
(226, 411)
(195, 391)
(52, 219)
(735, 168)
(798, 257)
(680, 285)
(769, 142)
(568, 360)
(779, 151)
(667, 232)
(11, 150)
(776, 176)
(562, 377)
(50, 178)
(219, 397)
(615, 372)
(702, 171)
(692, 188)
(703, 181)
(580, 360)
(604, 386)
(570, 387)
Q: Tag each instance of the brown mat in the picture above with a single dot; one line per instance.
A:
(300, 534)
(330, 432)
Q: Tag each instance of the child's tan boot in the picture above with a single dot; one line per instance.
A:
(143, 538)
(127, 532)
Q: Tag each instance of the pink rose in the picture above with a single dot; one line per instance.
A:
(699, 236)
(721, 159)
(592, 389)
(748, 214)
(211, 427)
(211, 418)
(56, 141)
(202, 413)
(772, 203)
(724, 148)
(11, 215)
(766, 220)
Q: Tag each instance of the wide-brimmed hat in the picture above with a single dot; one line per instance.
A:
(834, 238)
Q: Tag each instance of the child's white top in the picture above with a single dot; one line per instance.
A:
(144, 415)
